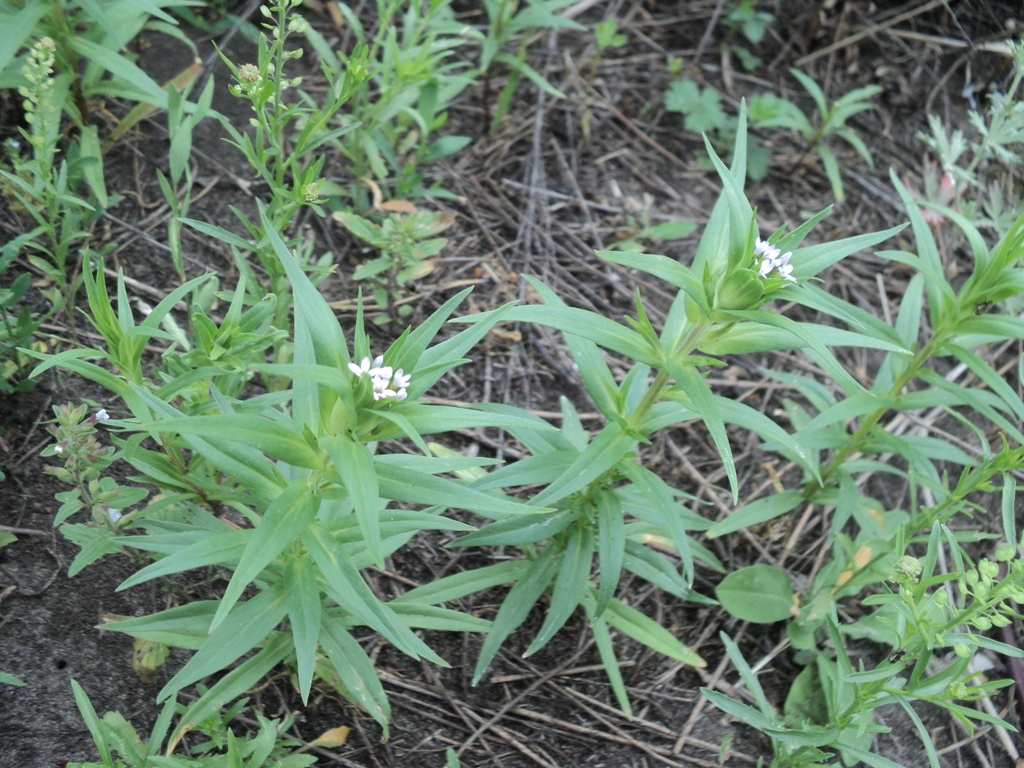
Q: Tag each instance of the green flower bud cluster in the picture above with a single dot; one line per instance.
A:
(38, 70)
(991, 606)
(908, 570)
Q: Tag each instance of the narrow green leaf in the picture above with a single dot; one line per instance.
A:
(609, 447)
(757, 512)
(348, 589)
(669, 270)
(270, 437)
(519, 529)
(232, 685)
(120, 68)
(458, 585)
(573, 577)
(356, 671)
(401, 484)
(248, 625)
(354, 464)
(603, 641)
(224, 549)
(285, 519)
(645, 630)
(611, 542)
(516, 606)
(92, 721)
(815, 347)
(304, 612)
(697, 389)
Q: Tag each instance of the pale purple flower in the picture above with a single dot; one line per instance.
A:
(101, 415)
(115, 514)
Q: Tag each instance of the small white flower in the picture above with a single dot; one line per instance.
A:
(381, 372)
(785, 268)
(384, 380)
(366, 366)
(58, 448)
(115, 514)
(767, 265)
(101, 415)
(766, 249)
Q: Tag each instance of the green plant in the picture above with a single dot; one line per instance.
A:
(283, 152)
(44, 189)
(17, 325)
(406, 243)
(770, 111)
(505, 20)
(753, 24)
(921, 621)
(86, 44)
(702, 113)
(607, 35)
(976, 174)
(399, 107)
(177, 190)
(292, 490)
(105, 500)
(114, 735)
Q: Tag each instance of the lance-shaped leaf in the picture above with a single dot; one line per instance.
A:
(207, 549)
(355, 670)
(232, 685)
(697, 389)
(603, 453)
(645, 630)
(757, 512)
(247, 626)
(741, 414)
(347, 588)
(458, 585)
(354, 464)
(272, 438)
(669, 270)
(519, 529)
(611, 542)
(514, 610)
(285, 519)
(573, 578)
(407, 485)
(304, 612)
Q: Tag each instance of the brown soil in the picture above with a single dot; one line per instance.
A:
(559, 180)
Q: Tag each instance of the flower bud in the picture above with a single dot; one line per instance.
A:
(982, 623)
(962, 651)
(907, 569)
(740, 289)
(1005, 553)
(988, 569)
(957, 691)
(941, 598)
(998, 620)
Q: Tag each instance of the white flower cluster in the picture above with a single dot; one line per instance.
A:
(773, 259)
(386, 383)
